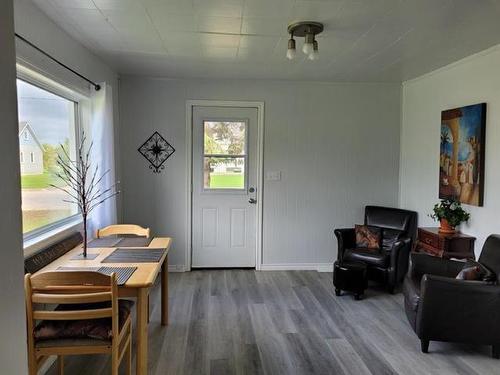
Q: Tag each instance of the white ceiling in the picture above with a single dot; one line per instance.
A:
(364, 40)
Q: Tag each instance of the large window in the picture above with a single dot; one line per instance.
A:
(47, 124)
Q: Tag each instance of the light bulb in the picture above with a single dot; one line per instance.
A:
(314, 55)
(290, 52)
(308, 46)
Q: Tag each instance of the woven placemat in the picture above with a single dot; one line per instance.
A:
(131, 255)
(134, 242)
(104, 242)
(122, 273)
(120, 242)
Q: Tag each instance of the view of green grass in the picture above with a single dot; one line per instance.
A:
(35, 219)
(226, 181)
(39, 181)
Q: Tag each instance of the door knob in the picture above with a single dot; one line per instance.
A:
(252, 200)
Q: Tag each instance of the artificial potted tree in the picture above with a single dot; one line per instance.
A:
(82, 183)
(450, 214)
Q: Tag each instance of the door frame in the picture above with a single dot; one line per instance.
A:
(190, 104)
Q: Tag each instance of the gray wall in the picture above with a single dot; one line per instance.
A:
(473, 80)
(13, 357)
(336, 145)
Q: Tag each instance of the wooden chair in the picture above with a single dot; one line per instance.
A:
(125, 229)
(75, 293)
(121, 229)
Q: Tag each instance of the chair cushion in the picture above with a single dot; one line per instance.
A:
(368, 237)
(56, 343)
(96, 329)
(372, 257)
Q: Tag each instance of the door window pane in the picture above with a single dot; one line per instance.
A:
(225, 138)
(224, 173)
(225, 157)
(46, 123)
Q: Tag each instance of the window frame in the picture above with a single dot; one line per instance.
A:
(45, 83)
(244, 189)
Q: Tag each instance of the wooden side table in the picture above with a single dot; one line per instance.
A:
(456, 245)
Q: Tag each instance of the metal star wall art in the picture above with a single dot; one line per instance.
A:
(156, 150)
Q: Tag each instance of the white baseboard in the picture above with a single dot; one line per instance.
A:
(176, 268)
(320, 267)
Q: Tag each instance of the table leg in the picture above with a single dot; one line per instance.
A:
(164, 292)
(142, 331)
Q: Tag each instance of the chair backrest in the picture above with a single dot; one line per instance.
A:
(123, 229)
(70, 288)
(490, 254)
(393, 218)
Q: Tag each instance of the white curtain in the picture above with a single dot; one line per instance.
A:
(101, 133)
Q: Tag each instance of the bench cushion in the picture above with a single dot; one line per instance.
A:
(40, 259)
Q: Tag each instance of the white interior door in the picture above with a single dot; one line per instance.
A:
(224, 187)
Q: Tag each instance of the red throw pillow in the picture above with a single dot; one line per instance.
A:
(473, 270)
(470, 273)
(368, 237)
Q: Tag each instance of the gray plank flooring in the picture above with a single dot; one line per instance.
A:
(287, 322)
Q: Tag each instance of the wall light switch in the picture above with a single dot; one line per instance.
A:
(273, 176)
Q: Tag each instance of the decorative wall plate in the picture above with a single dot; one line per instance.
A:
(156, 150)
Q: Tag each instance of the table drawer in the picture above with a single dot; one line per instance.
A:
(422, 247)
(429, 239)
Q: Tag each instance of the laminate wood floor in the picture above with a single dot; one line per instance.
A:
(288, 322)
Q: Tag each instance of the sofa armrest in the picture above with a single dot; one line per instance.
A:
(421, 264)
(346, 239)
(458, 310)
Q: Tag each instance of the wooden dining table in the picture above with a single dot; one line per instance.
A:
(138, 286)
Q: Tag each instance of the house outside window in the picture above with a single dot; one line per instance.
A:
(48, 123)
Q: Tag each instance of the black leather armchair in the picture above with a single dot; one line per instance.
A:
(391, 262)
(439, 307)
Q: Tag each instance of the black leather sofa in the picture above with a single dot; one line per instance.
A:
(439, 307)
(390, 264)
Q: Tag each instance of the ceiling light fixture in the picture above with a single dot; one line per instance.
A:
(308, 30)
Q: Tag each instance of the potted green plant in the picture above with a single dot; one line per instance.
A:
(450, 213)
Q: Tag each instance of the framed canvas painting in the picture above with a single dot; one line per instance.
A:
(462, 151)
